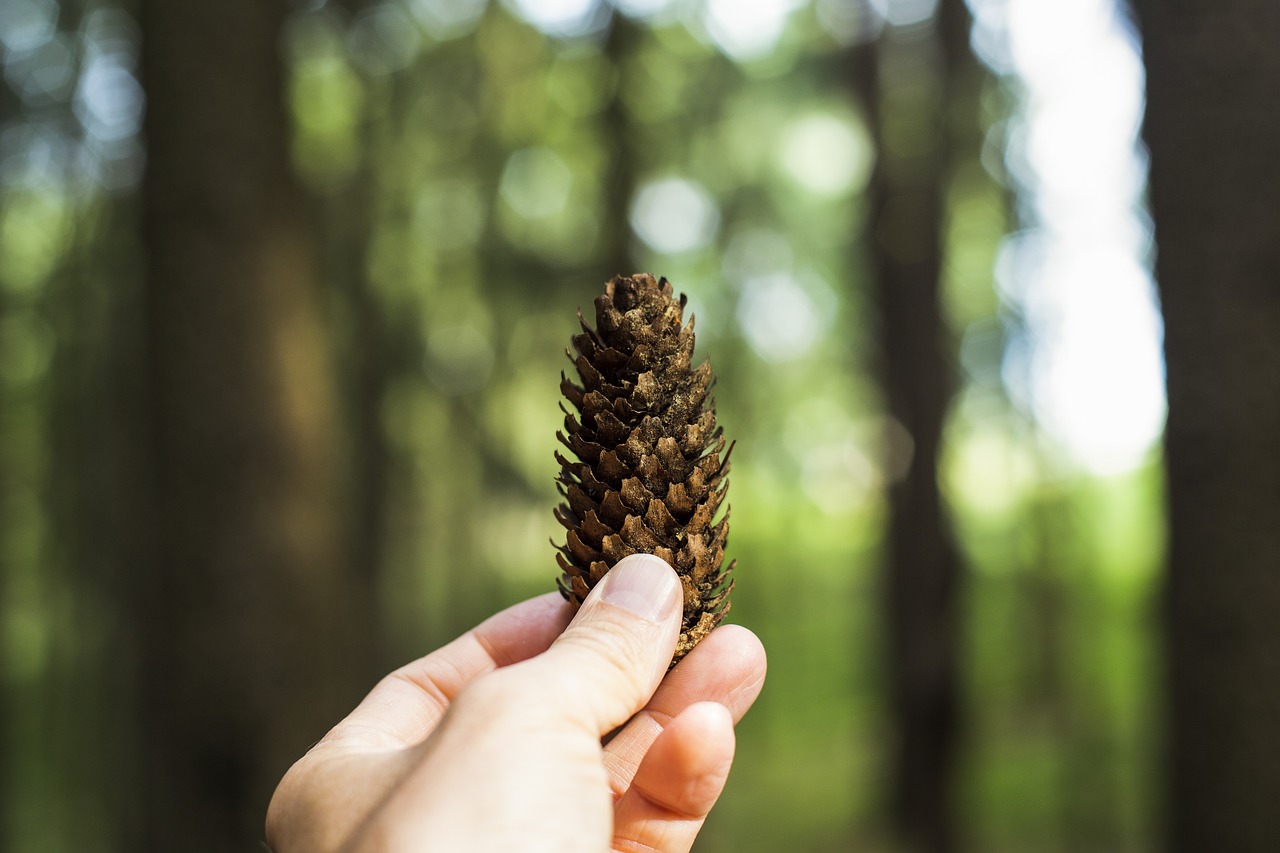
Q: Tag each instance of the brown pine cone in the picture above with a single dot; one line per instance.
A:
(650, 475)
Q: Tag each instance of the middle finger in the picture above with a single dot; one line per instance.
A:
(727, 667)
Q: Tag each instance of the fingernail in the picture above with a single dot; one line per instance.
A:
(643, 584)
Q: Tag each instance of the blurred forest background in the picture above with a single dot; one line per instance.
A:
(284, 294)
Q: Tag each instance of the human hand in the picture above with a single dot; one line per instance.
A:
(494, 742)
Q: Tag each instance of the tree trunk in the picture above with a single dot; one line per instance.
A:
(250, 641)
(907, 194)
(1213, 79)
(620, 186)
(346, 221)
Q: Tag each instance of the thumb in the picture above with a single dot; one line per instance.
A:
(608, 662)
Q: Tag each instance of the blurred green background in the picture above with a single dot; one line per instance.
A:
(467, 174)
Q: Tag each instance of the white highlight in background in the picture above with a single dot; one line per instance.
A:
(1095, 379)
(746, 31)
(674, 215)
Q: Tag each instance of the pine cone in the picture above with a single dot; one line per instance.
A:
(650, 475)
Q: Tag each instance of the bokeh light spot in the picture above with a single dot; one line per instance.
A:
(752, 252)
(827, 155)
(27, 24)
(448, 19)
(675, 215)
(43, 73)
(642, 9)
(536, 183)
(905, 13)
(778, 317)
(109, 100)
(746, 31)
(383, 40)
(561, 17)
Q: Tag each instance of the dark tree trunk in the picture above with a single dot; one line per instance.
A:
(1213, 130)
(923, 569)
(615, 226)
(250, 640)
(346, 219)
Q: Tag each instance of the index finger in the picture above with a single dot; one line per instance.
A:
(405, 707)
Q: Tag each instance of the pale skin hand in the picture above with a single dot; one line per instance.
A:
(493, 743)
